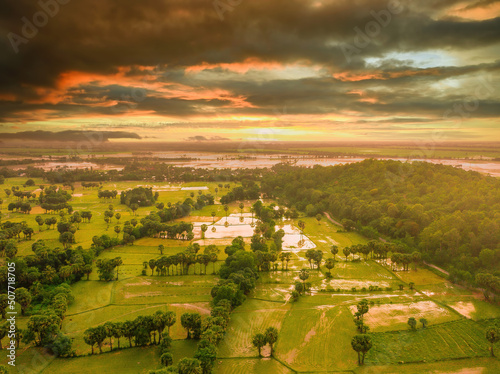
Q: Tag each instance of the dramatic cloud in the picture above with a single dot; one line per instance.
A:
(320, 67)
(69, 136)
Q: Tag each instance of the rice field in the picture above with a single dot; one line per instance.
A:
(314, 332)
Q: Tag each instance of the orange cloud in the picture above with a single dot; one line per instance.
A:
(479, 13)
(384, 75)
(238, 67)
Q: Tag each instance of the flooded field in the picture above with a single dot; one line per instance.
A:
(252, 161)
(243, 225)
(389, 317)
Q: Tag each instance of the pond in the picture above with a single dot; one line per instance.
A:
(241, 225)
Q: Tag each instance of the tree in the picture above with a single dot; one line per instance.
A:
(42, 328)
(362, 308)
(99, 333)
(169, 320)
(213, 217)
(192, 323)
(424, 322)
(89, 338)
(117, 230)
(167, 359)
(304, 275)
(493, 336)
(189, 366)
(361, 343)
(118, 332)
(161, 247)
(302, 226)
(412, 322)
(258, 341)
(67, 238)
(87, 270)
(206, 354)
(346, 251)
(152, 265)
(330, 264)
(4, 303)
(204, 228)
(23, 297)
(334, 250)
(109, 327)
(271, 337)
(318, 218)
(4, 329)
(61, 346)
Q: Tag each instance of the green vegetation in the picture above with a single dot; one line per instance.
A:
(100, 297)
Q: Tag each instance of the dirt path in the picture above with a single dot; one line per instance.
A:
(332, 220)
(437, 268)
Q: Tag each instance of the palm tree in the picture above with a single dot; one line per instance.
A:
(226, 208)
(346, 252)
(303, 275)
(204, 228)
(334, 249)
(258, 341)
(271, 337)
(330, 264)
(213, 217)
(302, 226)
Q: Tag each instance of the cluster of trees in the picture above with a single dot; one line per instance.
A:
(137, 169)
(361, 343)
(106, 268)
(238, 275)
(270, 336)
(90, 184)
(412, 323)
(54, 199)
(43, 329)
(184, 260)
(447, 214)
(152, 226)
(140, 196)
(11, 230)
(142, 331)
(20, 206)
(49, 266)
(489, 283)
(106, 194)
(249, 190)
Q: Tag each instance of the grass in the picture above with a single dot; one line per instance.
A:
(420, 277)
(249, 365)
(252, 317)
(133, 361)
(484, 365)
(315, 332)
(317, 338)
(459, 339)
(390, 317)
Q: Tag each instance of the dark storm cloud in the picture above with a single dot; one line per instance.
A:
(101, 36)
(68, 136)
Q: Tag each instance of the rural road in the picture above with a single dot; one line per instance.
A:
(331, 219)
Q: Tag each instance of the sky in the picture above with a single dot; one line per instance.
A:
(175, 70)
